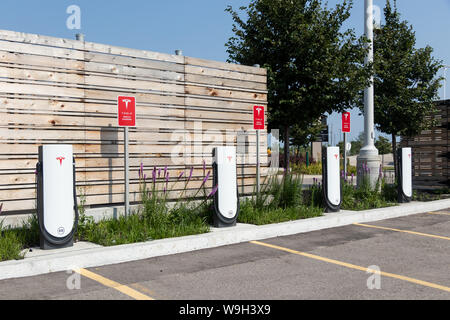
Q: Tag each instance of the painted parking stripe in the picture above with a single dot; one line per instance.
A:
(355, 267)
(404, 231)
(440, 213)
(113, 284)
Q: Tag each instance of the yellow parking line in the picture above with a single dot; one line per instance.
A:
(404, 231)
(441, 213)
(112, 284)
(352, 266)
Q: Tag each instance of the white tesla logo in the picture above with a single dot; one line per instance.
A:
(127, 101)
(259, 110)
(346, 116)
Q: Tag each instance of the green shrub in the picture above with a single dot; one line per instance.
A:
(365, 197)
(279, 200)
(157, 218)
(14, 240)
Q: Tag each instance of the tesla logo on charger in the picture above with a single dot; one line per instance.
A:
(336, 156)
(60, 159)
(229, 158)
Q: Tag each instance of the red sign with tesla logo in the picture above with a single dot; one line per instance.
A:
(126, 111)
(346, 122)
(258, 118)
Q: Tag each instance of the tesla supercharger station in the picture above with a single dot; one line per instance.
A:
(331, 179)
(56, 196)
(405, 175)
(226, 199)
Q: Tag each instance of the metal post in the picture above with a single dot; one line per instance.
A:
(368, 159)
(345, 155)
(258, 182)
(127, 169)
(445, 81)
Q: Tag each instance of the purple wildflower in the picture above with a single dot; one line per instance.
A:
(206, 178)
(204, 166)
(154, 175)
(141, 170)
(213, 192)
(165, 171)
(181, 175)
(1, 207)
(145, 177)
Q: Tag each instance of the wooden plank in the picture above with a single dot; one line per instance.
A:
(92, 81)
(223, 82)
(225, 66)
(227, 74)
(68, 45)
(37, 61)
(96, 60)
(40, 90)
(220, 93)
(18, 47)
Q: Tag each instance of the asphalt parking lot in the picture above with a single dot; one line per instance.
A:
(401, 258)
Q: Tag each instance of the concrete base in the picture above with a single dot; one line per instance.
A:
(368, 167)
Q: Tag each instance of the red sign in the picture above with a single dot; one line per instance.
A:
(126, 111)
(258, 118)
(346, 122)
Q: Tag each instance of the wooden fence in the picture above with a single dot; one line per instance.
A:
(56, 90)
(431, 152)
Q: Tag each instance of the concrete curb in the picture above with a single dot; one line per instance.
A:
(98, 256)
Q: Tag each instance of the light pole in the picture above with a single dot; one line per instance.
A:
(445, 80)
(368, 159)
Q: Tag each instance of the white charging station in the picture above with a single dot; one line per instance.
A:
(56, 196)
(226, 199)
(331, 179)
(405, 175)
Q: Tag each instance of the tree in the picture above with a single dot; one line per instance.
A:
(357, 144)
(405, 79)
(303, 136)
(383, 145)
(313, 66)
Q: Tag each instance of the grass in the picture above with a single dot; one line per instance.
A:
(365, 197)
(316, 168)
(252, 215)
(156, 219)
(431, 195)
(14, 240)
(279, 201)
(144, 226)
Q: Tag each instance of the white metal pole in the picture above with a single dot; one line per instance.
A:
(445, 81)
(345, 155)
(258, 182)
(127, 169)
(368, 159)
(369, 91)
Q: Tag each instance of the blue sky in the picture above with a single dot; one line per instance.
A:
(199, 27)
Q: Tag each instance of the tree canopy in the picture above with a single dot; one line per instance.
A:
(313, 65)
(405, 79)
